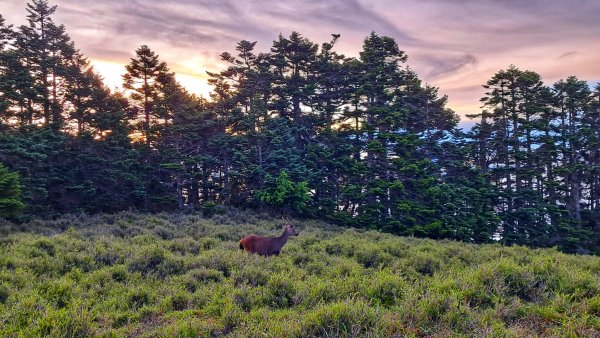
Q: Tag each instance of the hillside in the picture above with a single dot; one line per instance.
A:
(181, 275)
(317, 126)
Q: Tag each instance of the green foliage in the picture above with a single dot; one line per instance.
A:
(59, 175)
(149, 81)
(298, 129)
(10, 193)
(210, 209)
(526, 124)
(346, 319)
(283, 193)
(4, 293)
(328, 281)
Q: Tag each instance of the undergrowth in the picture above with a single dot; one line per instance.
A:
(169, 275)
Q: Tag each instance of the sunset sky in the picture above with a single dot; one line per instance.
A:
(455, 45)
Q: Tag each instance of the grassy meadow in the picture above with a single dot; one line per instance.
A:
(174, 275)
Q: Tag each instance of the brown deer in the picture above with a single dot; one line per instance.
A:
(267, 246)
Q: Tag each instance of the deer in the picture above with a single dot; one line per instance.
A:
(267, 246)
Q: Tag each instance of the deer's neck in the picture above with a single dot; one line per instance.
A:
(281, 240)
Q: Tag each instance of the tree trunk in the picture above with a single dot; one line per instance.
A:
(180, 202)
(193, 193)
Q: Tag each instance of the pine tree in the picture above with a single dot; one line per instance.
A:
(293, 60)
(328, 154)
(591, 216)
(534, 146)
(34, 41)
(572, 106)
(18, 93)
(16, 83)
(10, 193)
(38, 62)
(146, 79)
(379, 76)
(185, 152)
(516, 102)
(5, 33)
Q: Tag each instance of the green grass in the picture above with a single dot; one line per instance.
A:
(180, 275)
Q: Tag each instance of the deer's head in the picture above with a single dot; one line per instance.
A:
(289, 229)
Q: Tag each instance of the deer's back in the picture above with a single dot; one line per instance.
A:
(258, 244)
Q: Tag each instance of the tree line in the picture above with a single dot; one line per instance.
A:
(300, 129)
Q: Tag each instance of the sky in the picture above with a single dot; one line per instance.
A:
(456, 45)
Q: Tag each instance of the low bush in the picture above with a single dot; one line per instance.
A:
(131, 274)
(341, 319)
(4, 293)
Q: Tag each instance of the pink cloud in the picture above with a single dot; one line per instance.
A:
(454, 44)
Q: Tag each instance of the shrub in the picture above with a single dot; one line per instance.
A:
(218, 260)
(341, 319)
(593, 306)
(373, 256)
(119, 274)
(384, 288)
(302, 258)
(250, 275)
(4, 293)
(513, 280)
(206, 275)
(281, 291)
(185, 246)
(208, 243)
(246, 297)
(108, 256)
(179, 301)
(317, 268)
(320, 292)
(163, 232)
(45, 246)
(77, 260)
(425, 263)
(72, 322)
(209, 209)
(139, 297)
(340, 247)
(232, 317)
(147, 260)
(57, 292)
(195, 278)
(154, 260)
(190, 327)
(327, 283)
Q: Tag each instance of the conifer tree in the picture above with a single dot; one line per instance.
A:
(5, 33)
(10, 193)
(573, 99)
(293, 60)
(299, 128)
(146, 80)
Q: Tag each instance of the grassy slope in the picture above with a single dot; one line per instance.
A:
(169, 275)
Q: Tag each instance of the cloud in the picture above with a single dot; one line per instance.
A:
(340, 16)
(109, 53)
(453, 44)
(185, 25)
(446, 64)
(567, 55)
